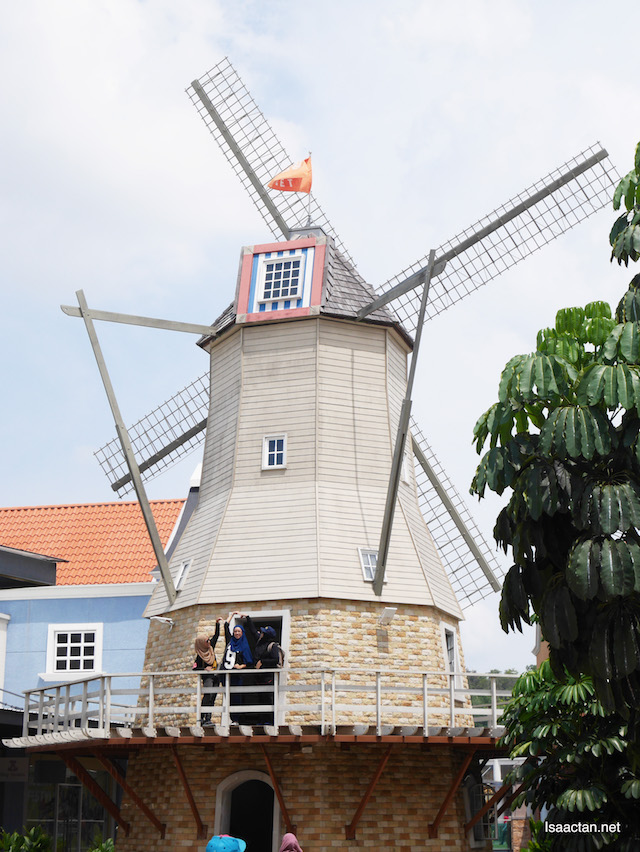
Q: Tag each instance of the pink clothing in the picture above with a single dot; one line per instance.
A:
(290, 844)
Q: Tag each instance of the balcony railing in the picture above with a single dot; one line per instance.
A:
(325, 698)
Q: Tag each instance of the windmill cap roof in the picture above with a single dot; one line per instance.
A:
(344, 291)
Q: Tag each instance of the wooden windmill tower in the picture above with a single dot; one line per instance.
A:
(306, 412)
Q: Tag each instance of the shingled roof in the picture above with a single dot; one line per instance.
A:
(102, 542)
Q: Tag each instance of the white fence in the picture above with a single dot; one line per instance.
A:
(325, 698)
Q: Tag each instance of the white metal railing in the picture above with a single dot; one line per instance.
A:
(327, 698)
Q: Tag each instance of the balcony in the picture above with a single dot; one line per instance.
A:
(324, 702)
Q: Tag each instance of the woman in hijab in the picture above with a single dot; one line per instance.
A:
(206, 663)
(237, 656)
(268, 655)
(290, 844)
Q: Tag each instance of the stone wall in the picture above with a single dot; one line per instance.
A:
(331, 634)
(322, 787)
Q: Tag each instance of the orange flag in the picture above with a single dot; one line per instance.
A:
(294, 179)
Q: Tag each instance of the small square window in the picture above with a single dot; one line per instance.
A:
(282, 278)
(77, 651)
(274, 452)
(368, 561)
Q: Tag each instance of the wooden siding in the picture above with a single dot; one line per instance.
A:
(199, 537)
(267, 546)
(335, 389)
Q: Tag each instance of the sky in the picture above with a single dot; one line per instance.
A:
(422, 117)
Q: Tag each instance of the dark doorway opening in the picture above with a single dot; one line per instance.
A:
(251, 815)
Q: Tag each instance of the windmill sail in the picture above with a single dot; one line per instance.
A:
(472, 578)
(254, 151)
(526, 223)
(161, 438)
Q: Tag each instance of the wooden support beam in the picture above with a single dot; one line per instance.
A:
(115, 773)
(96, 790)
(350, 830)
(499, 794)
(291, 828)
(200, 826)
(457, 781)
(487, 805)
(507, 802)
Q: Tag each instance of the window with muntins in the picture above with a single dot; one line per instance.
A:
(274, 451)
(282, 282)
(75, 651)
(368, 561)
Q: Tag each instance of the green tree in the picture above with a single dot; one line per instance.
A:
(563, 439)
(581, 762)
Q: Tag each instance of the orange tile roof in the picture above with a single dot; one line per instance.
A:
(102, 542)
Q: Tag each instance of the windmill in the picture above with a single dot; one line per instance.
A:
(416, 294)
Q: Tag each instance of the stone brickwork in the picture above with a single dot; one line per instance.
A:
(331, 634)
(322, 786)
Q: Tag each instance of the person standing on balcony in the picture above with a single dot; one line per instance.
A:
(268, 655)
(206, 663)
(237, 656)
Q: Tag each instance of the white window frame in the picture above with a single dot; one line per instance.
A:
(364, 553)
(451, 629)
(181, 574)
(285, 639)
(262, 274)
(265, 451)
(4, 624)
(72, 674)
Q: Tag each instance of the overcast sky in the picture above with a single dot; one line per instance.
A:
(421, 116)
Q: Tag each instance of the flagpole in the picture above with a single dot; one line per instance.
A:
(309, 204)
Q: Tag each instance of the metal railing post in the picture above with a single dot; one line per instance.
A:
(276, 696)
(494, 703)
(84, 710)
(452, 700)
(40, 712)
(323, 708)
(67, 703)
(151, 700)
(107, 703)
(425, 705)
(378, 705)
(56, 710)
(227, 699)
(198, 699)
(333, 701)
(25, 717)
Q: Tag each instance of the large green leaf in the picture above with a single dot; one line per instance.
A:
(629, 345)
(598, 329)
(600, 650)
(583, 569)
(598, 310)
(616, 573)
(575, 432)
(609, 507)
(625, 647)
(571, 321)
(614, 384)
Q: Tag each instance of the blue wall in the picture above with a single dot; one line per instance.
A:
(124, 634)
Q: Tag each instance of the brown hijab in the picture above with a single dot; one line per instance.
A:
(204, 650)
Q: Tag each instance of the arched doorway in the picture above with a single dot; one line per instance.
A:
(246, 807)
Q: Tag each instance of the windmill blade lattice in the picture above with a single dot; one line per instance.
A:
(492, 250)
(467, 578)
(161, 438)
(253, 149)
